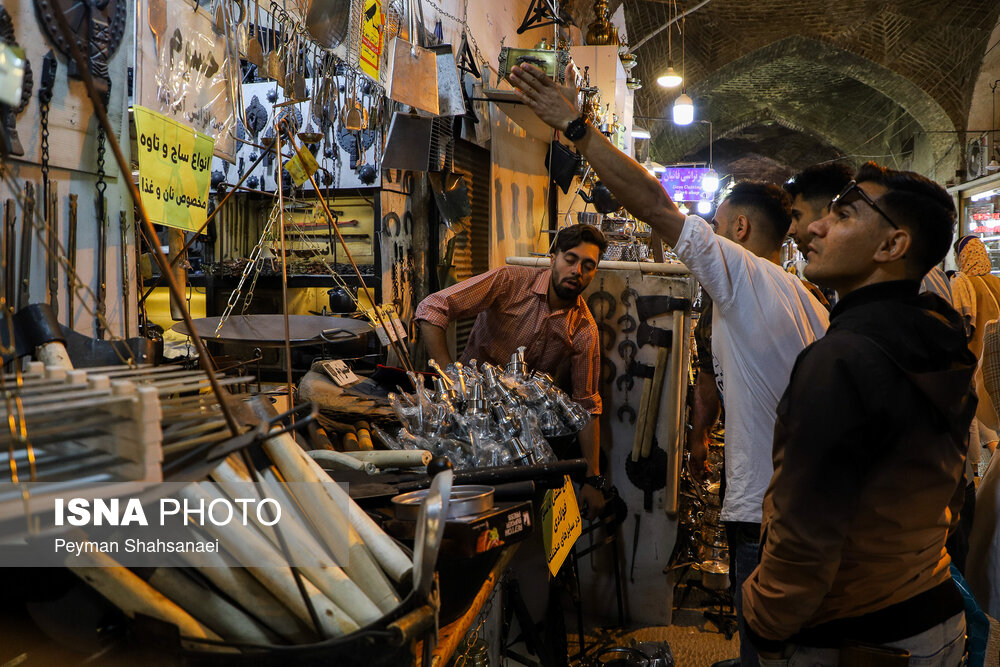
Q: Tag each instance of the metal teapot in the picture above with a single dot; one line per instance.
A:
(601, 198)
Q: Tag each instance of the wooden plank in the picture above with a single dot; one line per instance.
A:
(450, 636)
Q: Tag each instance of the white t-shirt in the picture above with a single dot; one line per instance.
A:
(762, 318)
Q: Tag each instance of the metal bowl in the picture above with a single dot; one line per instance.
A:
(465, 500)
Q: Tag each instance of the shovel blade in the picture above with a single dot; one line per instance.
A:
(451, 102)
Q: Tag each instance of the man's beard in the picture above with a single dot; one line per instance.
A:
(565, 292)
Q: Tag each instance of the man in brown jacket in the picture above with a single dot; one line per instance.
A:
(869, 446)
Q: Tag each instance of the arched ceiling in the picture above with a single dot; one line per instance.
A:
(794, 82)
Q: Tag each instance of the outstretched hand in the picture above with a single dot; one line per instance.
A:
(554, 104)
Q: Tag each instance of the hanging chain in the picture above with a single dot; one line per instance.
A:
(43, 106)
(473, 635)
(254, 263)
(463, 22)
(102, 231)
(101, 186)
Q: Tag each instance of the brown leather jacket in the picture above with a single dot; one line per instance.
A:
(869, 452)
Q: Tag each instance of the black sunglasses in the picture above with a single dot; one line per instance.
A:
(851, 193)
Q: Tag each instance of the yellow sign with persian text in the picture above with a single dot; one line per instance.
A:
(302, 165)
(372, 25)
(561, 524)
(175, 169)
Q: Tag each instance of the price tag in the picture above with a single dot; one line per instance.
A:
(339, 372)
(396, 329)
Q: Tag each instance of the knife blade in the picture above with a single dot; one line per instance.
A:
(27, 231)
(10, 248)
(102, 267)
(126, 311)
(71, 251)
(52, 233)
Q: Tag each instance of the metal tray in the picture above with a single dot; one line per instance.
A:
(465, 500)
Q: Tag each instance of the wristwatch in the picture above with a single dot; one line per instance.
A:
(599, 482)
(576, 129)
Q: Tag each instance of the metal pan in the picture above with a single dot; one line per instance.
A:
(464, 500)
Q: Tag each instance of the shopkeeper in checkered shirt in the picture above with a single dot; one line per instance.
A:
(541, 310)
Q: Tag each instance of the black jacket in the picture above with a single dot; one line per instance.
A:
(869, 453)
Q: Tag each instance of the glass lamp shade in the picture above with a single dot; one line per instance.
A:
(683, 110)
(710, 182)
(670, 79)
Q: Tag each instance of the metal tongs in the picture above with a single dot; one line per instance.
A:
(430, 532)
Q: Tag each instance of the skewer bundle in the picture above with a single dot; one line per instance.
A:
(104, 424)
(346, 574)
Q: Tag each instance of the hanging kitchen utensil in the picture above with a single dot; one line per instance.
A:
(299, 93)
(157, 22)
(412, 75)
(319, 89)
(255, 50)
(408, 143)
(451, 102)
(240, 26)
(351, 116)
(220, 17)
(289, 62)
(328, 21)
(275, 64)
(309, 135)
(427, 541)
(333, 108)
(451, 193)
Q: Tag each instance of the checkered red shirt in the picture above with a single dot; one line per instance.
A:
(513, 310)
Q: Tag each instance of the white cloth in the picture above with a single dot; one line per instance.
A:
(762, 318)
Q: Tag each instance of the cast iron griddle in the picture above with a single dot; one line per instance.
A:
(269, 330)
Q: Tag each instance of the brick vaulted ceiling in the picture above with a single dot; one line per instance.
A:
(787, 83)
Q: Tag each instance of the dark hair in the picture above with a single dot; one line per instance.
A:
(572, 236)
(767, 201)
(919, 204)
(820, 182)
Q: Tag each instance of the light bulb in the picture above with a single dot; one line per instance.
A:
(640, 132)
(710, 181)
(704, 206)
(683, 110)
(670, 79)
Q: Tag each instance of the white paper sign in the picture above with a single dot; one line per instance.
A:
(339, 372)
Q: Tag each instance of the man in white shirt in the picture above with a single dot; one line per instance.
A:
(763, 317)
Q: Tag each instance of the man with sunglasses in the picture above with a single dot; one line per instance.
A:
(762, 316)
(869, 446)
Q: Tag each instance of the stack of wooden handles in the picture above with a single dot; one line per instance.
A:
(264, 604)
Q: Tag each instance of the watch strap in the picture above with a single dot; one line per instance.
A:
(576, 129)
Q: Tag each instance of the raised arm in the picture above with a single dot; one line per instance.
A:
(632, 185)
